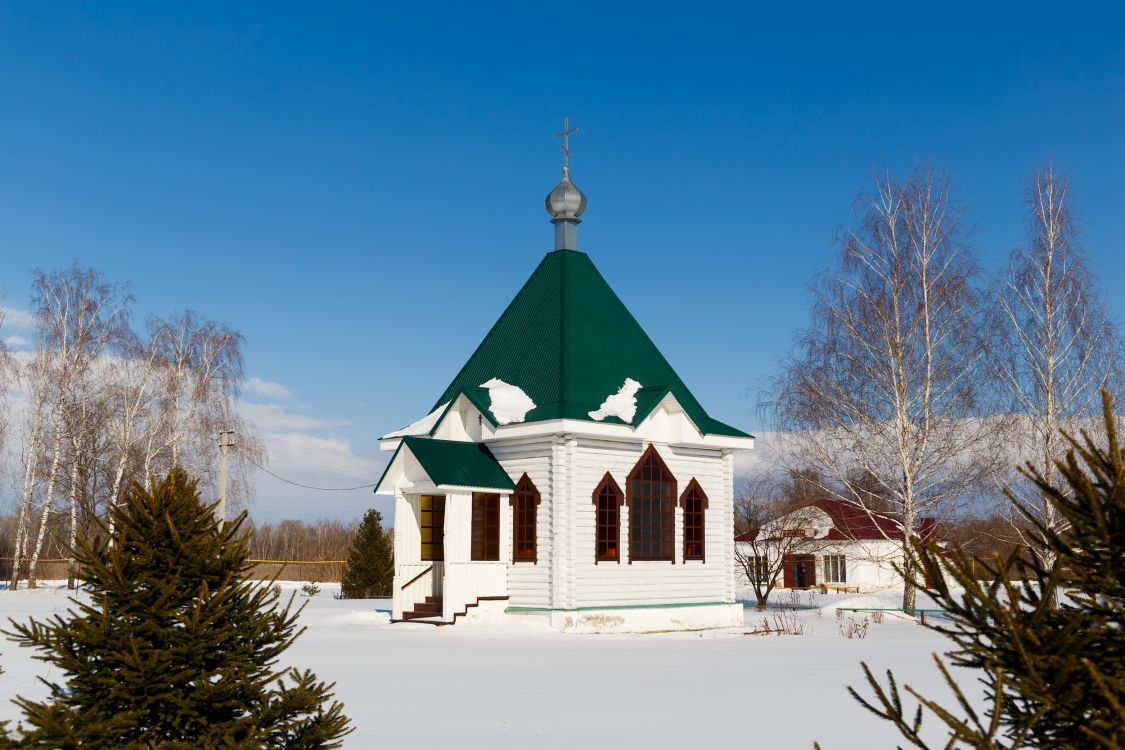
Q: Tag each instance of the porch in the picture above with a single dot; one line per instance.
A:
(452, 529)
(448, 555)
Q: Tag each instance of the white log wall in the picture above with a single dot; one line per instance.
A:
(528, 583)
(650, 582)
(566, 470)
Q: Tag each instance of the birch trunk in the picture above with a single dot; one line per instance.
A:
(76, 446)
(148, 462)
(33, 564)
(23, 523)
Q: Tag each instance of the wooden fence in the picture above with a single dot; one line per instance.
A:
(321, 571)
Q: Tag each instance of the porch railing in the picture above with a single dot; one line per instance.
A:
(420, 580)
(406, 585)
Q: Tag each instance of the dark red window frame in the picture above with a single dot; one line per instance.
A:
(651, 497)
(608, 499)
(694, 504)
(485, 527)
(525, 518)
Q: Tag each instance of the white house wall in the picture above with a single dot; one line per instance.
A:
(529, 583)
(647, 582)
(870, 563)
(668, 423)
(566, 470)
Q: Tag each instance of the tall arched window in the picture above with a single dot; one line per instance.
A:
(607, 508)
(525, 506)
(694, 503)
(652, 509)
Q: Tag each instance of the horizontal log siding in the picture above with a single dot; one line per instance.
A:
(650, 582)
(529, 583)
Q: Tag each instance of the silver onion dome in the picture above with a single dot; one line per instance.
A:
(566, 202)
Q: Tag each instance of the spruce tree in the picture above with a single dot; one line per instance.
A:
(175, 647)
(5, 740)
(1054, 677)
(370, 570)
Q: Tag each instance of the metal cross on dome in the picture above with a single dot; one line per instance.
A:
(565, 135)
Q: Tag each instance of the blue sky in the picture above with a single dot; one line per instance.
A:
(359, 188)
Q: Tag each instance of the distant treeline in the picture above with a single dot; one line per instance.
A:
(300, 543)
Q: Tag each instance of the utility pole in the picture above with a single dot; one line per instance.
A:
(226, 442)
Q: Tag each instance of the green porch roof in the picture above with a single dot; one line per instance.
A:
(569, 342)
(455, 463)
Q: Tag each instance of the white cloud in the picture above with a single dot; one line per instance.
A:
(267, 389)
(17, 319)
(301, 449)
(298, 453)
(16, 342)
(327, 462)
(275, 417)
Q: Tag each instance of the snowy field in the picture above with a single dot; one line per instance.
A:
(518, 685)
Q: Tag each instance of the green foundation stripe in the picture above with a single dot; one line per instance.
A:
(887, 609)
(673, 605)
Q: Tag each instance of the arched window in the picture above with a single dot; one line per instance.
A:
(694, 503)
(607, 507)
(525, 506)
(652, 509)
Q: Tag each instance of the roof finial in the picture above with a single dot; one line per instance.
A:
(565, 135)
(566, 202)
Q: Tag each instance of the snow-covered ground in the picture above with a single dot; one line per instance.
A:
(518, 685)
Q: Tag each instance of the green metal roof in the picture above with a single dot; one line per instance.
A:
(456, 463)
(569, 342)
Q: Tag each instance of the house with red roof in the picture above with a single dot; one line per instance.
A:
(831, 543)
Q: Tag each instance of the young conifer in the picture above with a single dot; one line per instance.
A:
(370, 569)
(1054, 677)
(5, 739)
(175, 647)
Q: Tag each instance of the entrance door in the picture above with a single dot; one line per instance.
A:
(431, 524)
(799, 571)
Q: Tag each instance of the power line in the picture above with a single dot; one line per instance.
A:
(309, 487)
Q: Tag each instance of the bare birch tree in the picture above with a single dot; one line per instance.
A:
(775, 528)
(1056, 345)
(134, 422)
(79, 316)
(108, 406)
(883, 385)
(201, 371)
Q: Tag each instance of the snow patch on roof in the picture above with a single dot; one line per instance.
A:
(423, 426)
(622, 404)
(508, 403)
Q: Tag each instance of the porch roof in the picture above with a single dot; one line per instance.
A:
(454, 463)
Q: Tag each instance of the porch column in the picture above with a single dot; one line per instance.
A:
(407, 551)
(407, 544)
(458, 527)
(458, 550)
(506, 529)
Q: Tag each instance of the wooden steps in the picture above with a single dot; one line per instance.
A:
(429, 611)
